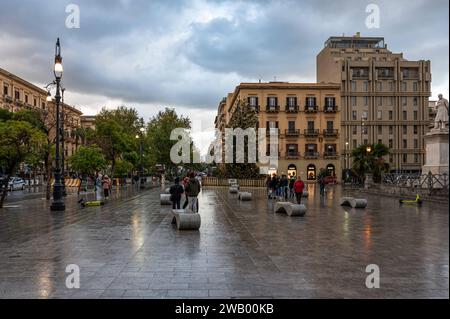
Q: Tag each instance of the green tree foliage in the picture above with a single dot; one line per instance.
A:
(243, 117)
(157, 141)
(88, 160)
(19, 141)
(123, 167)
(372, 162)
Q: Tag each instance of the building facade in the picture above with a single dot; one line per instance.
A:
(307, 116)
(18, 94)
(384, 97)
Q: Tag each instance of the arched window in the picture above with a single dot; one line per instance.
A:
(292, 170)
(311, 172)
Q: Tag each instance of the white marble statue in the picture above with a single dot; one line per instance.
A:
(441, 113)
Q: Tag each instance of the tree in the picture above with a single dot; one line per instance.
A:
(123, 167)
(88, 160)
(370, 162)
(19, 141)
(157, 142)
(243, 117)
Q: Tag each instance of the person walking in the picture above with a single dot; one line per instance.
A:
(176, 191)
(322, 185)
(106, 183)
(299, 186)
(185, 184)
(268, 180)
(273, 186)
(284, 183)
(291, 186)
(192, 190)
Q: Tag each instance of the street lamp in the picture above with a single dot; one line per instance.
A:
(368, 149)
(58, 201)
(141, 150)
(63, 149)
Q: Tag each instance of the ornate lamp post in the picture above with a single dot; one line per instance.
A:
(58, 201)
(141, 150)
(63, 149)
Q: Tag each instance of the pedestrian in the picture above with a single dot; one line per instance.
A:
(176, 191)
(185, 184)
(192, 190)
(273, 186)
(322, 185)
(291, 186)
(299, 186)
(106, 183)
(284, 183)
(268, 180)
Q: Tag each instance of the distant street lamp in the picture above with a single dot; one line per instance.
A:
(368, 149)
(58, 201)
(63, 149)
(140, 136)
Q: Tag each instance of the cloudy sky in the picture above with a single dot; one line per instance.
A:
(152, 54)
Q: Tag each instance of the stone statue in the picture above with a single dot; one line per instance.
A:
(441, 113)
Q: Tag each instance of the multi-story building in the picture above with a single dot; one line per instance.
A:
(18, 94)
(384, 97)
(307, 116)
(88, 121)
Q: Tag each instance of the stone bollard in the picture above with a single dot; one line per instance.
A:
(165, 199)
(245, 196)
(185, 219)
(290, 209)
(353, 202)
(233, 190)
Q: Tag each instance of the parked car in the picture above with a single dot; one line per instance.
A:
(16, 183)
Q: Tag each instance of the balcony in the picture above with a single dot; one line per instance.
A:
(311, 109)
(330, 109)
(311, 132)
(292, 155)
(254, 108)
(311, 154)
(330, 155)
(272, 108)
(292, 108)
(18, 102)
(7, 99)
(292, 132)
(330, 132)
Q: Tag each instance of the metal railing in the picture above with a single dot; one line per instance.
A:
(430, 182)
(215, 181)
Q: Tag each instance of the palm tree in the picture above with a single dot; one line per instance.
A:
(78, 134)
(368, 159)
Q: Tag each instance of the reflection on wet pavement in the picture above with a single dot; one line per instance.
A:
(129, 249)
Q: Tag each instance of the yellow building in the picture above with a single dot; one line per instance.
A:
(18, 94)
(307, 116)
(384, 97)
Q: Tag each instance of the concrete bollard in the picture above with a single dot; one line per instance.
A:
(245, 196)
(353, 202)
(165, 199)
(185, 219)
(233, 190)
(290, 209)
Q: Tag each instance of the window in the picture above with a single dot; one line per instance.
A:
(311, 172)
(291, 126)
(379, 86)
(391, 129)
(391, 159)
(330, 102)
(272, 101)
(405, 143)
(365, 115)
(291, 101)
(379, 115)
(366, 141)
(354, 143)
(310, 125)
(354, 115)
(415, 86)
(253, 101)
(391, 143)
(366, 101)
(330, 125)
(379, 100)
(353, 85)
(366, 86)
(380, 141)
(405, 129)
(416, 143)
(34, 102)
(353, 100)
(17, 95)
(26, 98)
(391, 86)
(415, 101)
(391, 115)
(415, 129)
(405, 158)
(404, 100)
(43, 105)
(405, 115)
(311, 101)
(5, 89)
(391, 100)
(380, 129)
(416, 158)
(415, 115)
(354, 129)
(404, 86)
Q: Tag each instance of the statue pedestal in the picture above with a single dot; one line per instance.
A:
(436, 148)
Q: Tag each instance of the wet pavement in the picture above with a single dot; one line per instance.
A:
(129, 249)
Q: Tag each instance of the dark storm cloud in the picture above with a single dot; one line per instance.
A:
(192, 53)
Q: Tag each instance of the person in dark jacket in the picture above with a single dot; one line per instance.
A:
(176, 191)
(284, 184)
(192, 190)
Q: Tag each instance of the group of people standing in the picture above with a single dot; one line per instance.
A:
(285, 187)
(190, 187)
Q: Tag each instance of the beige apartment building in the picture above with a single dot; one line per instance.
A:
(384, 97)
(307, 116)
(18, 94)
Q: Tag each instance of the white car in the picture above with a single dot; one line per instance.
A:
(16, 183)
